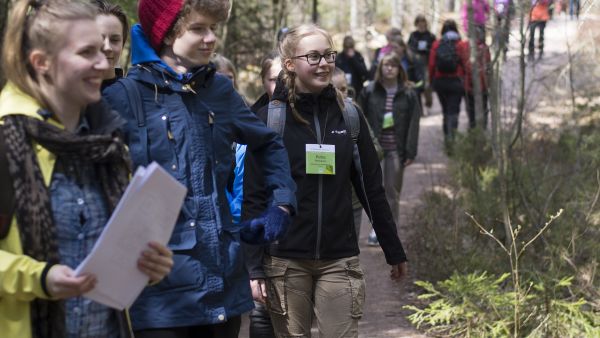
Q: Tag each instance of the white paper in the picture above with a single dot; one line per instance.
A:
(147, 212)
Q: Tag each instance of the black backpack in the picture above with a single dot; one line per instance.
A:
(446, 58)
(276, 121)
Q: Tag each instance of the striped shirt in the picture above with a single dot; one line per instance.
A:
(387, 138)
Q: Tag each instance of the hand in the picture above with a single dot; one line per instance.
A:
(156, 262)
(399, 271)
(62, 283)
(408, 162)
(259, 290)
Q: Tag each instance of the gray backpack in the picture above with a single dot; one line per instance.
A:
(276, 121)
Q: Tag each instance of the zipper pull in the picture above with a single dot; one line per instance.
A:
(211, 118)
(186, 87)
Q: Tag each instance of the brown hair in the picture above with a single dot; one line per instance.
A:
(36, 24)
(420, 18)
(218, 9)
(106, 8)
(266, 63)
(287, 50)
(223, 63)
(394, 59)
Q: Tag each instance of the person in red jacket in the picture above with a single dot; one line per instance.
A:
(539, 15)
(447, 62)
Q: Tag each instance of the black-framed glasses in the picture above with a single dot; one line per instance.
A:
(314, 58)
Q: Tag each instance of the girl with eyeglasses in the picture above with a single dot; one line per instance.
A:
(315, 267)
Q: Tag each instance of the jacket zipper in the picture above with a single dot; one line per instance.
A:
(320, 194)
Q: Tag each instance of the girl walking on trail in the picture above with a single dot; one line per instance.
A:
(64, 160)
(392, 108)
(114, 27)
(315, 267)
(447, 61)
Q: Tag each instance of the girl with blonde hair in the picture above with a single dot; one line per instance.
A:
(315, 267)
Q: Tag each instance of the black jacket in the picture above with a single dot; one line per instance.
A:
(406, 112)
(353, 65)
(323, 227)
(427, 38)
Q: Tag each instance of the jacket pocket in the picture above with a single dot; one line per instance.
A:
(164, 138)
(276, 294)
(357, 287)
(183, 240)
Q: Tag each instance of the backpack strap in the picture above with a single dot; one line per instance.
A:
(276, 116)
(135, 101)
(352, 120)
(7, 194)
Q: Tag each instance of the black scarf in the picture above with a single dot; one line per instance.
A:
(33, 210)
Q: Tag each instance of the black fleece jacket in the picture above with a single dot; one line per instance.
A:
(323, 226)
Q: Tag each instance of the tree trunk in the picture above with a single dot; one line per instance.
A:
(353, 18)
(315, 11)
(474, 60)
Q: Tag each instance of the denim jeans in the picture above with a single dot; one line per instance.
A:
(332, 290)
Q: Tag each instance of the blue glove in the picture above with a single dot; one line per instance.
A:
(253, 231)
(269, 227)
(277, 222)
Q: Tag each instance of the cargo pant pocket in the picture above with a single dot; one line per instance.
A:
(357, 287)
(275, 269)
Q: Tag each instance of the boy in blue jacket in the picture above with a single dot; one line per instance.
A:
(188, 121)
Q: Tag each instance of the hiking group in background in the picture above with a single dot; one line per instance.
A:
(276, 189)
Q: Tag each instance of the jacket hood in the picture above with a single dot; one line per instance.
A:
(451, 35)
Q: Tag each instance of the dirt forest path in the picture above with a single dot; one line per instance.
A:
(383, 313)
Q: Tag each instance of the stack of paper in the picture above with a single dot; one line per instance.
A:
(147, 212)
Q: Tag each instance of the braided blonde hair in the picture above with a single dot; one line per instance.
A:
(287, 50)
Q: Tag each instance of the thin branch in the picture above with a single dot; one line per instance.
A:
(589, 213)
(552, 218)
(488, 233)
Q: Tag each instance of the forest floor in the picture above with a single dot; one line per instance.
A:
(384, 315)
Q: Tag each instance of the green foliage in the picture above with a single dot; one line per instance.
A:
(481, 305)
(546, 172)
(465, 305)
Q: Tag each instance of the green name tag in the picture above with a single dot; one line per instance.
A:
(388, 120)
(320, 159)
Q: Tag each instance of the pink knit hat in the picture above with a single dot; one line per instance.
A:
(157, 17)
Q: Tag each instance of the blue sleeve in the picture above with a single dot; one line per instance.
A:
(269, 151)
(236, 196)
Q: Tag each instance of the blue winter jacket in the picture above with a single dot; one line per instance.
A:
(192, 122)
